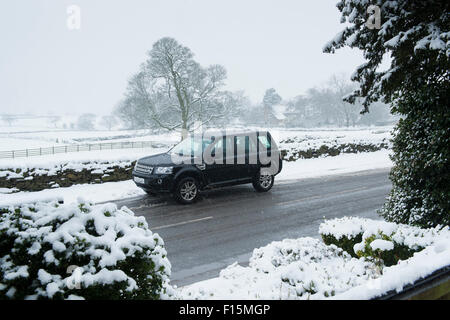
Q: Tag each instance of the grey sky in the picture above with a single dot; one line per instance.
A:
(45, 67)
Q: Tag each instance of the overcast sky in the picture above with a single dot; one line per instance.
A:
(47, 68)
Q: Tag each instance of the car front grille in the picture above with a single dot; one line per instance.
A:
(142, 168)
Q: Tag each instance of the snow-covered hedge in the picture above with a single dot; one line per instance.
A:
(307, 268)
(302, 268)
(307, 147)
(383, 242)
(76, 251)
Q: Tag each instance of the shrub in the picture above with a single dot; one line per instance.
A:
(357, 235)
(303, 268)
(52, 251)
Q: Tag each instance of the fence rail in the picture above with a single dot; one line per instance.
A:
(76, 148)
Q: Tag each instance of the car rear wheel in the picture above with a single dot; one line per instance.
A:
(263, 182)
(187, 191)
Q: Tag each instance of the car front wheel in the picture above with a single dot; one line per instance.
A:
(263, 182)
(186, 191)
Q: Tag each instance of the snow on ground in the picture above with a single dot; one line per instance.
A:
(70, 137)
(303, 268)
(343, 163)
(375, 134)
(18, 138)
(31, 140)
(303, 168)
(306, 268)
(95, 193)
(50, 161)
(9, 144)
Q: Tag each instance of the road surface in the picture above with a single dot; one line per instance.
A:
(227, 224)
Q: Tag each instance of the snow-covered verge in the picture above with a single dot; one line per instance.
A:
(341, 164)
(307, 268)
(95, 193)
(80, 251)
(35, 174)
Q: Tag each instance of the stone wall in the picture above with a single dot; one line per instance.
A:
(294, 154)
(33, 179)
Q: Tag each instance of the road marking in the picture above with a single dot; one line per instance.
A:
(315, 197)
(181, 223)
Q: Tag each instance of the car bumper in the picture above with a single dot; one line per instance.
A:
(153, 182)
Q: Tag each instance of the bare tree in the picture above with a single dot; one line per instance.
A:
(9, 119)
(54, 120)
(341, 87)
(173, 91)
(86, 121)
(271, 98)
(109, 121)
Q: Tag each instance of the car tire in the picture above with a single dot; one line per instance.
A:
(263, 183)
(186, 190)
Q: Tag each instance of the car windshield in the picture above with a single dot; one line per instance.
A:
(190, 146)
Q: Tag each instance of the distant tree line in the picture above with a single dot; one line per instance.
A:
(171, 91)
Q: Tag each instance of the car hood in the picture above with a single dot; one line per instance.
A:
(163, 160)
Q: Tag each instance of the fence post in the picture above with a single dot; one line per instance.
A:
(53, 149)
(13, 154)
(26, 152)
(40, 151)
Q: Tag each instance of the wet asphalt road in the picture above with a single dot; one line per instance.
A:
(227, 224)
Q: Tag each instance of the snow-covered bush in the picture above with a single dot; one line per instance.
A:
(52, 251)
(382, 242)
(302, 268)
(306, 268)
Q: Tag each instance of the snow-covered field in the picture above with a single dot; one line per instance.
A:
(37, 133)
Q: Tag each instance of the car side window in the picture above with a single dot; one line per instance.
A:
(245, 143)
(264, 141)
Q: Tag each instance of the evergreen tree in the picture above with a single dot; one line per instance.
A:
(416, 35)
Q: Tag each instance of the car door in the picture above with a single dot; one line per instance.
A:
(222, 169)
(225, 169)
(244, 147)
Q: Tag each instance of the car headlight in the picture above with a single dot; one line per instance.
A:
(163, 170)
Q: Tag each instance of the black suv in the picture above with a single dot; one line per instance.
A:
(210, 160)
